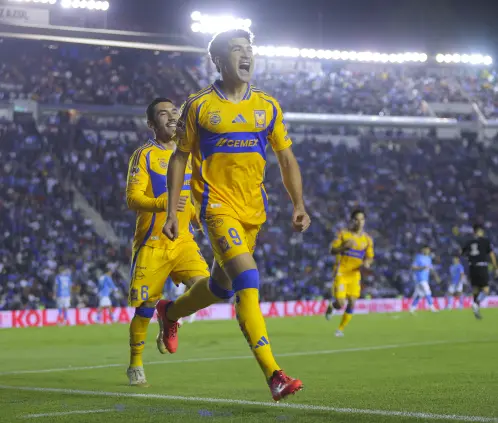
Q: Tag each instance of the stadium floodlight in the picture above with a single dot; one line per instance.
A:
(210, 24)
(84, 4)
(357, 56)
(472, 59)
(34, 1)
(196, 16)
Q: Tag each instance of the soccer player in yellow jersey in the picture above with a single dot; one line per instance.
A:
(354, 252)
(227, 127)
(155, 257)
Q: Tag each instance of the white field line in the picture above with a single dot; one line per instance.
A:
(68, 413)
(239, 357)
(290, 406)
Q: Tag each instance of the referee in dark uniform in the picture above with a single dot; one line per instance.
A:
(479, 253)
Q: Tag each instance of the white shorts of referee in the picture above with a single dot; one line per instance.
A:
(63, 302)
(455, 288)
(105, 302)
(422, 289)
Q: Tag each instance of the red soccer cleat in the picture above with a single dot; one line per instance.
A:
(282, 385)
(167, 338)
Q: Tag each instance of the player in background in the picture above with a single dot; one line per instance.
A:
(479, 252)
(422, 267)
(354, 251)
(63, 287)
(105, 288)
(172, 292)
(455, 287)
(154, 256)
(227, 127)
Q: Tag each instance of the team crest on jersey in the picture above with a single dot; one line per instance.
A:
(260, 118)
(163, 163)
(134, 171)
(214, 118)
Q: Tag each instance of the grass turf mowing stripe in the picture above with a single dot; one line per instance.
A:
(385, 413)
(68, 413)
(242, 357)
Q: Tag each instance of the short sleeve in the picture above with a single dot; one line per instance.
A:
(278, 136)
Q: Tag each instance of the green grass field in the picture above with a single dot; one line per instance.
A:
(388, 368)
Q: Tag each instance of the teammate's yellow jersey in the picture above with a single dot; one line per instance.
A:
(351, 260)
(228, 145)
(146, 189)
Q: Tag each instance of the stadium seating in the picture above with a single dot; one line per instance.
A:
(421, 191)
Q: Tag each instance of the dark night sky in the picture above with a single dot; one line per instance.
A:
(383, 25)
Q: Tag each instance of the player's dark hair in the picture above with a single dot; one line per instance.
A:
(356, 212)
(151, 108)
(218, 46)
(477, 227)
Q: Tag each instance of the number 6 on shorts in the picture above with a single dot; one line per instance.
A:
(144, 293)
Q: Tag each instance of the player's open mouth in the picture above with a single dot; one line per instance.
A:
(245, 66)
(171, 124)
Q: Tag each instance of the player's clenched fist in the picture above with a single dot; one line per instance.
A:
(170, 228)
(300, 220)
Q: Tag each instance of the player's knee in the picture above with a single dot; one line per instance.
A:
(338, 303)
(145, 311)
(246, 280)
(219, 291)
(350, 308)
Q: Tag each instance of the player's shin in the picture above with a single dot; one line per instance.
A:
(202, 294)
(251, 321)
(346, 317)
(138, 334)
(480, 297)
(449, 300)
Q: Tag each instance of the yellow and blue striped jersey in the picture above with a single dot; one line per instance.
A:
(352, 259)
(146, 192)
(228, 144)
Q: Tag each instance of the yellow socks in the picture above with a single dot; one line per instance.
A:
(253, 327)
(138, 334)
(201, 295)
(346, 318)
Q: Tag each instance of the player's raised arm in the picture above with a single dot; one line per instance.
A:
(289, 169)
(136, 185)
(186, 133)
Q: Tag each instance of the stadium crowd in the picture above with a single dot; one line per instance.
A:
(67, 74)
(416, 192)
(40, 229)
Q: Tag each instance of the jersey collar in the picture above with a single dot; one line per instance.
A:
(217, 89)
(156, 144)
